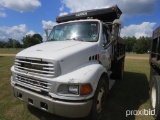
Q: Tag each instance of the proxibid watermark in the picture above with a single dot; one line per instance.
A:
(140, 112)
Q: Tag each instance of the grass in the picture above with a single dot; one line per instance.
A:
(9, 51)
(138, 55)
(130, 94)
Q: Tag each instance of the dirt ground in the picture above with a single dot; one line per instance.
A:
(7, 54)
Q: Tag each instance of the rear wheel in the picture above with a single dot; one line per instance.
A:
(155, 95)
(99, 100)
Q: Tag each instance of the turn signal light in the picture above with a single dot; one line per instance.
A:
(85, 89)
(99, 57)
(113, 9)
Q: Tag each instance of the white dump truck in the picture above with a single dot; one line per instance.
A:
(72, 72)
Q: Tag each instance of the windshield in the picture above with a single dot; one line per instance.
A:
(81, 31)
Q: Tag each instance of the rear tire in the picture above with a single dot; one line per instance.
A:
(99, 100)
(155, 95)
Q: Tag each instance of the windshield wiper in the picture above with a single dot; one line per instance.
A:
(77, 39)
(52, 40)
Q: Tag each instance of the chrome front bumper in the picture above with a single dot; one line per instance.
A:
(72, 109)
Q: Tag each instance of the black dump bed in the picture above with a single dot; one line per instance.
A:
(155, 49)
(105, 15)
(156, 33)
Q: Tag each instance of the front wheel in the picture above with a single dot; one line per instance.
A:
(99, 100)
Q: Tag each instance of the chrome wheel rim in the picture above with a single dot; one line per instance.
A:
(100, 99)
(153, 97)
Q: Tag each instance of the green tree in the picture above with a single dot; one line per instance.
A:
(29, 40)
(130, 43)
(36, 39)
(9, 43)
(12, 43)
(17, 44)
(2, 44)
(140, 45)
(143, 45)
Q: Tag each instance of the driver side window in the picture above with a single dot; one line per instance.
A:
(105, 35)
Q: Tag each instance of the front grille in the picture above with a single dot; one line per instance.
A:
(35, 67)
(30, 82)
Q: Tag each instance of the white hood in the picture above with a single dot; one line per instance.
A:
(55, 50)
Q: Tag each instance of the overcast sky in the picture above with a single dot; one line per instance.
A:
(21, 17)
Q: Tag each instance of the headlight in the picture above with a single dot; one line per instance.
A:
(83, 89)
(73, 89)
(68, 89)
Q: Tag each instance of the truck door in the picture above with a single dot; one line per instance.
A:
(106, 50)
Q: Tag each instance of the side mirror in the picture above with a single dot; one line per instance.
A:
(116, 29)
(47, 33)
(117, 21)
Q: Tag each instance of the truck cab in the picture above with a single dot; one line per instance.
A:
(72, 72)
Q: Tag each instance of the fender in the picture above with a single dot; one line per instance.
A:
(90, 72)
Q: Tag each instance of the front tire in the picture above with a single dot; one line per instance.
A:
(99, 100)
(155, 95)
